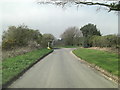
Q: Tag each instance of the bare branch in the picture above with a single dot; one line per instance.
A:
(111, 6)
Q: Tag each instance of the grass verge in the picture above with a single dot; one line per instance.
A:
(66, 46)
(106, 60)
(71, 46)
(11, 67)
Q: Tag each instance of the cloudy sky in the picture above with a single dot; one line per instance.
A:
(54, 19)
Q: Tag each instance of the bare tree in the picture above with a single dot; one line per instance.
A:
(70, 36)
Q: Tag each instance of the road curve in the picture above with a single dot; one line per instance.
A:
(61, 69)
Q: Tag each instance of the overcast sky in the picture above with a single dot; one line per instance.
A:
(54, 19)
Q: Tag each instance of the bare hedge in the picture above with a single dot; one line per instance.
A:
(105, 41)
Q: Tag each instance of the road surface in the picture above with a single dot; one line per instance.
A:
(61, 69)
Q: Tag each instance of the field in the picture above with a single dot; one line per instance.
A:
(106, 60)
(14, 65)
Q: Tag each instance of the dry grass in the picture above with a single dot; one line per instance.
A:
(16, 51)
(114, 50)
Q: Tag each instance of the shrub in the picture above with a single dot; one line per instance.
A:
(104, 41)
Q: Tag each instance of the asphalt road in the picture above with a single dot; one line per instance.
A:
(61, 69)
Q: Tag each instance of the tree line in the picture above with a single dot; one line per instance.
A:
(22, 36)
(88, 36)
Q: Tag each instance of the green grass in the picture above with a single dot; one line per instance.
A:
(66, 46)
(14, 65)
(106, 60)
(71, 46)
(0, 73)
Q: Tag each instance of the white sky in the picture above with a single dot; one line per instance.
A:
(54, 19)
